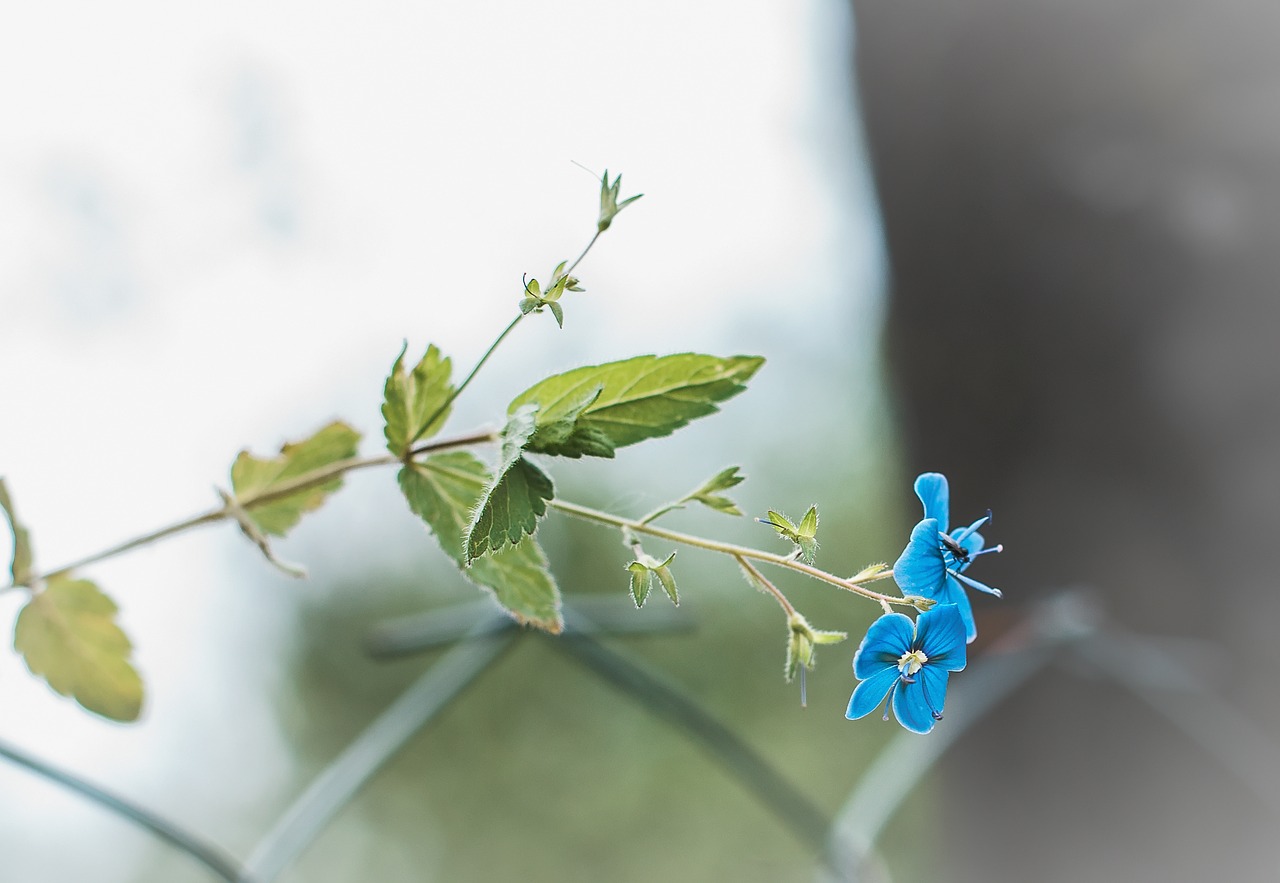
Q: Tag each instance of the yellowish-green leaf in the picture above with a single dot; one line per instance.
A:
(20, 568)
(640, 398)
(443, 491)
(416, 404)
(68, 635)
(252, 477)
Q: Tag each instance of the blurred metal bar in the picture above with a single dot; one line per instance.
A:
(342, 779)
(417, 632)
(638, 681)
(218, 862)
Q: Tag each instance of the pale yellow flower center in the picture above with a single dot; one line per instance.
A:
(910, 663)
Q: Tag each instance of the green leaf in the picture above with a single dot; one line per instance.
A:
(640, 398)
(517, 496)
(707, 496)
(443, 491)
(557, 311)
(416, 404)
(641, 582)
(565, 437)
(20, 568)
(67, 634)
(668, 581)
(252, 477)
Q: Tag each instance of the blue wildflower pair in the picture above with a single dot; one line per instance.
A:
(906, 664)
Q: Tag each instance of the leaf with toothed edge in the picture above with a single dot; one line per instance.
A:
(410, 398)
(632, 400)
(252, 476)
(443, 491)
(517, 496)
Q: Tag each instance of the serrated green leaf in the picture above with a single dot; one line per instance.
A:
(20, 567)
(68, 635)
(565, 437)
(517, 496)
(252, 477)
(640, 398)
(510, 509)
(443, 491)
(415, 404)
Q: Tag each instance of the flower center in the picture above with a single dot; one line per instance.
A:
(910, 663)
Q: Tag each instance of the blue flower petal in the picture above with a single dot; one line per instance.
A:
(941, 635)
(920, 569)
(910, 704)
(870, 693)
(932, 489)
(933, 683)
(886, 640)
(955, 594)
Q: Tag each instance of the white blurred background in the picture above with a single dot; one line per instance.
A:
(218, 225)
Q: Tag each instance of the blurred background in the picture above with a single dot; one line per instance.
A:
(220, 226)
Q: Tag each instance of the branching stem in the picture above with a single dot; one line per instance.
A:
(734, 551)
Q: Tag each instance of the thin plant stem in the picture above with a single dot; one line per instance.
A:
(579, 258)
(306, 481)
(770, 587)
(730, 549)
(475, 370)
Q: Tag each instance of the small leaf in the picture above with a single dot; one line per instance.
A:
(668, 581)
(68, 635)
(871, 571)
(252, 477)
(803, 537)
(517, 496)
(707, 496)
(609, 205)
(20, 568)
(557, 311)
(640, 398)
(809, 524)
(641, 582)
(415, 404)
(443, 491)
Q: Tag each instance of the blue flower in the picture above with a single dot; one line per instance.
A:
(910, 662)
(934, 561)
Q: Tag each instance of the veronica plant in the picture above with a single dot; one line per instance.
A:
(934, 561)
(908, 663)
(485, 513)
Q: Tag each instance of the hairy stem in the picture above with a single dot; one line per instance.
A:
(316, 477)
(768, 586)
(734, 551)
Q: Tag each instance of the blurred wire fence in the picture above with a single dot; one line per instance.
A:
(1069, 631)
